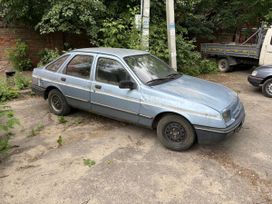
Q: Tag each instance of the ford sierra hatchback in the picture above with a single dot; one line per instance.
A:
(137, 87)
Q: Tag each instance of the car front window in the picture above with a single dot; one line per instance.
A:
(149, 68)
(111, 71)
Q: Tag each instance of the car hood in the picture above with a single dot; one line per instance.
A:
(264, 67)
(200, 91)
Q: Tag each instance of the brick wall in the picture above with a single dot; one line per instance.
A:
(36, 42)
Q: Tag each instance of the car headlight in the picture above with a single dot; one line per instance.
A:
(254, 73)
(226, 116)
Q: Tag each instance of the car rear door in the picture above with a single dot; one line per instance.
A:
(75, 81)
(107, 98)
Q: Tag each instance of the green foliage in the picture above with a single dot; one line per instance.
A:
(62, 120)
(48, 55)
(4, 143)
(7, 122)
(74, 16)
(22, 11)
(7, 92)
(60, 141)
(189, 61)
(268, 17)
(36, 130)
(18, 56)
(201, 67)
(88, 162)
(120, 32)
(21, 82)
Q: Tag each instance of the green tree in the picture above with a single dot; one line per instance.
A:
(74, 16)
(28, 12)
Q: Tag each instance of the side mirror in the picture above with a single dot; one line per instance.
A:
(127, 85)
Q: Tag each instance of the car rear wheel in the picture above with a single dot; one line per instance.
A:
(57, 103)
(267, 88)
(175, 133)
(224, 66)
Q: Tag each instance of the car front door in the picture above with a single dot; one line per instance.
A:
(75, 80)
(107, 98)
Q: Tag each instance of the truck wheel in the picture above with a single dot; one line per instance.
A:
(223, 65)
(175, 133)
(57, 103)
(267, 88)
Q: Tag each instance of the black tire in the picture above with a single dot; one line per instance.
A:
(57, 103)
(224, 66)
(175, 133)
(267, 88)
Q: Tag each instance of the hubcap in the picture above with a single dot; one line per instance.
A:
(56, 103)
(223, 65)
(175, 132)
(269, 88)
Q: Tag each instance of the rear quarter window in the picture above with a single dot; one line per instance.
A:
(54, 66)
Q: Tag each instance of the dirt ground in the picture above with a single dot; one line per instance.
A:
(131, 166)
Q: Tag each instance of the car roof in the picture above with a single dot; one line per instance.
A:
(119, 52)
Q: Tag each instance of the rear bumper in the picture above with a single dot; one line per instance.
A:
(38, 90)
(208, 135)
(255, 81)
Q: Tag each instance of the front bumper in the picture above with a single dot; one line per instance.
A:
(255, 81)
(208, 135)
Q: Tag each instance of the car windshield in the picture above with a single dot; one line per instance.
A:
(150, 69)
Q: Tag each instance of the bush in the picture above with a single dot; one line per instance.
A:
(21, 82)
(48, 55)
(7, 92)
(18, 56)
(189, 61)
(122, 33)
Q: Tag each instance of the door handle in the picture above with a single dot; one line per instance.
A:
(63, 79)
(98, 86)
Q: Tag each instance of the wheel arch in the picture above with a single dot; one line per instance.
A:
(48, 89)
(162, 114)
(265, 79)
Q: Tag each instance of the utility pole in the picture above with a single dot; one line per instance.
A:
(171, 31)
(145, 12)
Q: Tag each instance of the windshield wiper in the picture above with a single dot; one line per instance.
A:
(156, 81)
(173, 75)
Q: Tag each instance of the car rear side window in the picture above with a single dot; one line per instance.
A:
(57, 64)
(111, 71)
(80, 66)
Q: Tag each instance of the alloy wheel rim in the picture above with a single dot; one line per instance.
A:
(175, 132)
(269, 88)
(56, 103)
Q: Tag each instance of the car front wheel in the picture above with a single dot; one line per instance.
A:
(57, 103)
(175, 133)
(267, 88)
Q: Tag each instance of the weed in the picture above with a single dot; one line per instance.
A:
(60, 141)
(88, 162)
(4, 143)
(62, 120)
(6, 92)
(78, 121)
(35, 131)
